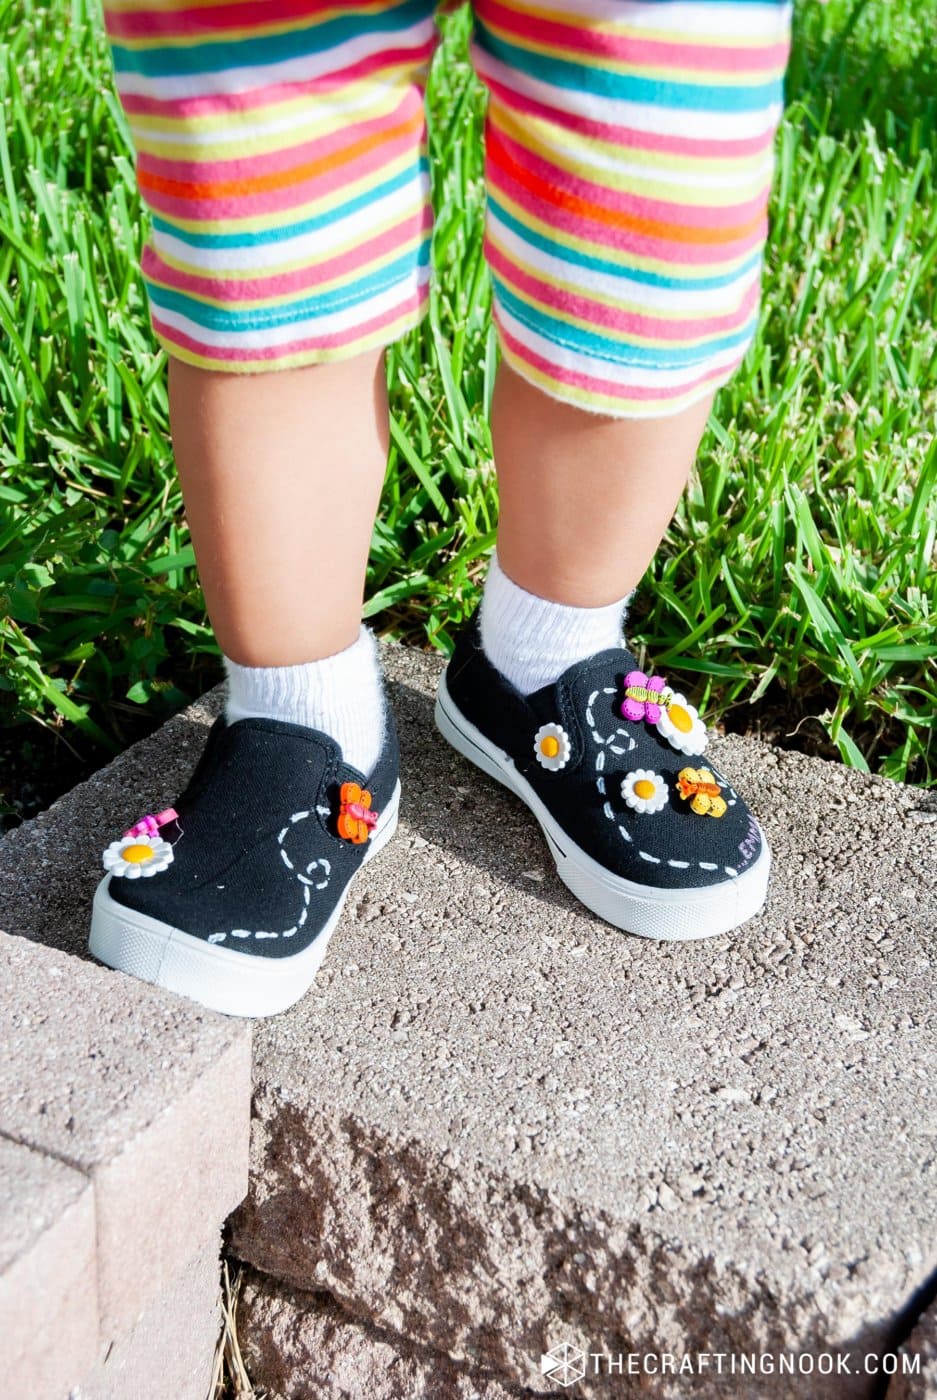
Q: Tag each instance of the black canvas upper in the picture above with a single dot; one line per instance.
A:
(256, 854)
(674, 848)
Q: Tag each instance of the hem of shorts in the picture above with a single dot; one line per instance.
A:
(619, 406)
(317, 355)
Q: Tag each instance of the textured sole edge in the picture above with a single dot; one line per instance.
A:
(664, 914)
(222, 979)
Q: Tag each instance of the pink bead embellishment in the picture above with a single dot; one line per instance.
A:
(150, 825)
(639, 701)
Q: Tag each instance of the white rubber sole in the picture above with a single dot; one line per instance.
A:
(219, 978)
(671, 915)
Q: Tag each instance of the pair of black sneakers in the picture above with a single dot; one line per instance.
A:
(231, 896)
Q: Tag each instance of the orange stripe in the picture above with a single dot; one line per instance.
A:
(615, 218)
(281, 179)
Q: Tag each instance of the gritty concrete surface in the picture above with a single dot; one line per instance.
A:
(168, 1352)
(48, 1295)
(496, 1124)
(144, 1093)
(51, 866)
(919, 1383)
(300, 1346)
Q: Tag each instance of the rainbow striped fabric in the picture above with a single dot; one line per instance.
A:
(281, 149)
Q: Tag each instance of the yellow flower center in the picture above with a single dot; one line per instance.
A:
(136, 855)
(550, 746)
(680, 718)
(644, 788)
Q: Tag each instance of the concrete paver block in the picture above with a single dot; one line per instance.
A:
(145, 1093)
(48, 1284)
(496, 1124)
(300, 1346)
(145, 1096)
(169, 1351)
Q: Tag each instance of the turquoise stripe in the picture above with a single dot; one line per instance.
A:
(233, 321)
(277, 234)
(595, 81)
(602, 347)
(218, 56)
(557, 249)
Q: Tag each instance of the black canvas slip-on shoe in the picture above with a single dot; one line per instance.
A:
(230, 897)
(643, 830)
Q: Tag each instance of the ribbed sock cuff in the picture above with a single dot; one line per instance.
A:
(341, 695)
(532, 641)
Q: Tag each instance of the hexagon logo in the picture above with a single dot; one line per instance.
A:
(564, 1364)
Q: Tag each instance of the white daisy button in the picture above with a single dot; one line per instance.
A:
(644, 790)
(681, 726)
(551, 746)
(136, 857)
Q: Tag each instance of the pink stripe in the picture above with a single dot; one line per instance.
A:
(228, 209)
(267, 95)
(210, 20)
(637, 206)
(270, 353)
(562, 374)
(699, 148)
(285, 157)
(354, 262)
(627, 325)
(628, 241)
(605, 45)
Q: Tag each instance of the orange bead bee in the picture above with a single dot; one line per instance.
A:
(698, 786)
(355, 819)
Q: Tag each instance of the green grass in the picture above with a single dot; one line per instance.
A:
(799, 570)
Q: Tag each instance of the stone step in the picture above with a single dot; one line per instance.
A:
(124, 1125)
(916, 1377)
(48, 1282)
(302, 1346)
(496, 1126)
(167, 1353)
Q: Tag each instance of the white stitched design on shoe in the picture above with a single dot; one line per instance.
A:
(319, 863)
(326, 870)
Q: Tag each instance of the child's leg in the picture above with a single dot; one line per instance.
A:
(281, 151)
(584, 500)
(603, 491)
(281, 475)
(629, 152)
(629, 160)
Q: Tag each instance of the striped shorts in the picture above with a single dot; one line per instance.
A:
(281, 150)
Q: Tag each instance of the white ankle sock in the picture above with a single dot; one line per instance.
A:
(532, 641)
(341, 695)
